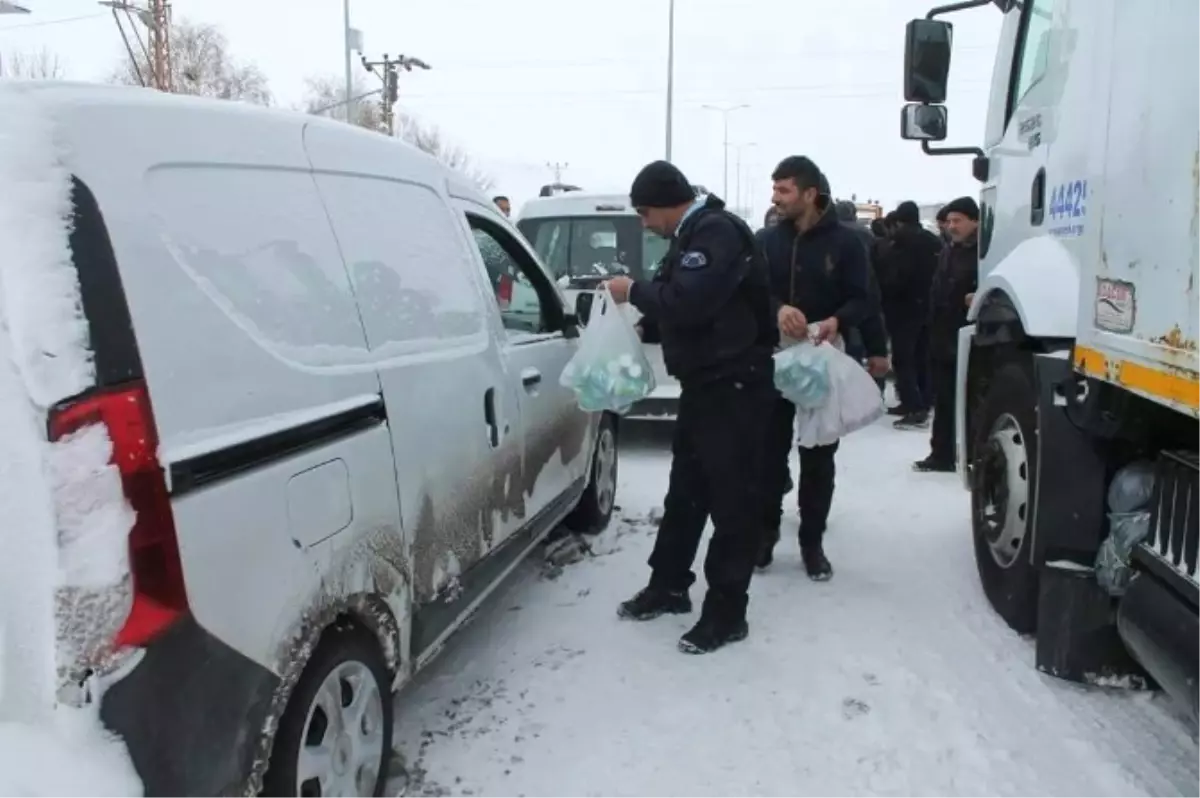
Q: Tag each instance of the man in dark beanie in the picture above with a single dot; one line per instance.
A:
(819, 276)
(941, 225)
(953, 289)
(710, 305)
(912, 259)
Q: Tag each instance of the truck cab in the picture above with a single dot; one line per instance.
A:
(1080, 357)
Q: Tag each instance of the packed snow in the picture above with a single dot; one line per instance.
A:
(895, 678)
(62, 503)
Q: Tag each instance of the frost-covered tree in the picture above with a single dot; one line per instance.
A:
(40, 65)
(201, 64)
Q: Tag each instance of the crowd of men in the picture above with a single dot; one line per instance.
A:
(722, 302)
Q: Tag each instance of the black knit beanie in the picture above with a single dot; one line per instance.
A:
(964, 205)
(907, 212)
(660, 185)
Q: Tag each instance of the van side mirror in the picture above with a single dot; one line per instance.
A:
(919, 122)
(583, 306)
(927, 61)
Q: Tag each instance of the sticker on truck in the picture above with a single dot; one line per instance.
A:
(1116, 305)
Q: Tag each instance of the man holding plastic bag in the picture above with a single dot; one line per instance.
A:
(820, 287)
(710, 305)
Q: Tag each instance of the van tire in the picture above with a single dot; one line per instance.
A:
(356, 654)
(595, 509)
(1003, 492)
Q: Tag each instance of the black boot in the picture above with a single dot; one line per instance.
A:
(915, 420)
(721, 622)
(932, 465)
(766, 554)
(651, 602)
(816, 564)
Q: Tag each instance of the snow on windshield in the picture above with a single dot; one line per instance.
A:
(62, 504)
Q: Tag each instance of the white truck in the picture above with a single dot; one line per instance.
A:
(1080, 356)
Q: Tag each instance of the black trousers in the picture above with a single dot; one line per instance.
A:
(910, 363)
(817, 477)
(941, 436)
(716, 460)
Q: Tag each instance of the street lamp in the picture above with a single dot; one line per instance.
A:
(670, 72)
(725, 111)
(738, 189)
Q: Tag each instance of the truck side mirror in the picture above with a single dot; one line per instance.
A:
(919, 122)
(927, 61)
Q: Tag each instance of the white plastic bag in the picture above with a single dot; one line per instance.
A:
(609, 371)
(854, 401)
(802, 375)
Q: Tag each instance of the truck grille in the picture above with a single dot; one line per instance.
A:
(1174, 520)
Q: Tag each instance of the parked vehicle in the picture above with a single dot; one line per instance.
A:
(586, 238)
(1081, 355)
(335, 440)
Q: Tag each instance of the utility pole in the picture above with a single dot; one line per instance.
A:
(557, 169)
(390, 75)
(725, 111)
(738, 189)
(670, 74)
(160, 44)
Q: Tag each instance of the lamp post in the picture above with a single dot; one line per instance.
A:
(738, 186)
(670, 73)
(725, 111)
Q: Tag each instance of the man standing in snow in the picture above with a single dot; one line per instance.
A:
(819, 275)
(711, 306)
(953, 289)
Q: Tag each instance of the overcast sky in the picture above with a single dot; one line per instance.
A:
(522, 83)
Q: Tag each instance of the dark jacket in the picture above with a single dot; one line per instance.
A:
(822, 271)
(957, 276)
(709, 303)
(906, 274)
(871, 331)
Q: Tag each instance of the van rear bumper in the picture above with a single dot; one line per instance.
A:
(1160, 631)
(191, 713)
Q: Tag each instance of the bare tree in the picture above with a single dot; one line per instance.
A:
(326, 96)
(202, 65)
(429, 138)
(41, 65)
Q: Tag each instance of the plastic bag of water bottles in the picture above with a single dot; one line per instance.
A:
(802, 375)
(610, 370)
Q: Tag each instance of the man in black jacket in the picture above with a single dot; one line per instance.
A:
(907, 275)
(949, 299)
(871, 342)
(710, 302)
(819, 276)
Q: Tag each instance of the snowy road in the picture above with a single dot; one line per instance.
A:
(894, 678)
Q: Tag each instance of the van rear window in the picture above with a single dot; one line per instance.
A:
(584, 248)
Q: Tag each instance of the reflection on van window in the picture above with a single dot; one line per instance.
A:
(587, 248)
(516, 297)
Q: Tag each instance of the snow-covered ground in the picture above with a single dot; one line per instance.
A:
(895, 678)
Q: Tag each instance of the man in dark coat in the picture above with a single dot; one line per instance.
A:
(819, 276)
(911, 260)
(950, 297)
(868, 341)
(710, 302)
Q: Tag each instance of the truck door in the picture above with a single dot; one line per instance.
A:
(1018, 190)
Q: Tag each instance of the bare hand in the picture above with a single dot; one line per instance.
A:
(618, 288)
(878, 366)
(970, 299)
(792, 322)
(827, 329)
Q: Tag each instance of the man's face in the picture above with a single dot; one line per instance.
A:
(658, 220)
(504, 206)
(960, 227)
(790, 201)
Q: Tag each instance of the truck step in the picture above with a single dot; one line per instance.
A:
(1169, 551)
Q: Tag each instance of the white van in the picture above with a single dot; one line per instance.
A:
(586, 238)
(334, 441)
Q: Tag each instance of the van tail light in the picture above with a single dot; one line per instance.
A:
(504, 291)
(159, 596)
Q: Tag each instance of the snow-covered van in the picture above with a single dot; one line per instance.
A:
(1078, 375)
(585, 238)
(329, 440)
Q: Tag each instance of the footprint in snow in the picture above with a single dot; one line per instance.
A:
(853, 708)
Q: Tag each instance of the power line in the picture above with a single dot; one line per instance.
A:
(4, 28)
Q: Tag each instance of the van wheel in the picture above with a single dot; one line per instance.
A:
(595, 507)
(335, 737)
(1003, 492)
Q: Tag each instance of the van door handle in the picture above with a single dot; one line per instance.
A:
(1037, 198)
(489, 416)
(530, 378)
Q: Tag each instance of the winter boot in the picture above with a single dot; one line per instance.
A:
(651, 602)
(917, 420)
(933, 466)
(721, 623)
(816, 564)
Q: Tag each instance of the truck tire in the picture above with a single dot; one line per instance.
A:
(1003, 492)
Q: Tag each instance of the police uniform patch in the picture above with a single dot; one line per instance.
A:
(693, 260)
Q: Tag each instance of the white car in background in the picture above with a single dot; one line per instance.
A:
(585, 238)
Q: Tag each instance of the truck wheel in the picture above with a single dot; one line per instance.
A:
(595, 507)
(1003, 488)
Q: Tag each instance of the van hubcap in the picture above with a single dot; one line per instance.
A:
(1004, 476)
(606, 470)
(341, 752)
